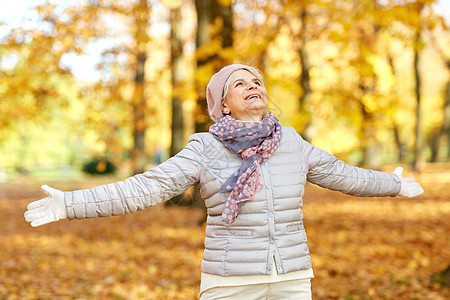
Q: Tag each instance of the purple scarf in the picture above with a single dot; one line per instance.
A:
(256, 142)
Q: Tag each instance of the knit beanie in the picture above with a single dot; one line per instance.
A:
(215, 87)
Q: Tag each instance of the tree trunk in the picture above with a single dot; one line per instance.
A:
(177, 142)
(400, 146)
(367, 36)
(417, 132)
(446, 127)
(176, 57)
(225, 15)
(209, 13)
(444, 131)
(367, 137)
(304, 77)
(139, 102)
(434, 143)
(203, 37)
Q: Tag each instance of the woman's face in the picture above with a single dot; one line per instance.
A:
(247, 97)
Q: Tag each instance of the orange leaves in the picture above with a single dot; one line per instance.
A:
(149, 255)
(378, 248)
(361, 248)
(154, 254)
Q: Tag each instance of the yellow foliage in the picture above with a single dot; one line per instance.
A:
(204, 73)
(370, 103)
(172, 4)
(385, 78)
(225, 2)
(350, 46)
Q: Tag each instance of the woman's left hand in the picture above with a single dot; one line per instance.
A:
(50, 209)
(409, 188)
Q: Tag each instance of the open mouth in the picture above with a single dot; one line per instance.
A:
(253, 96)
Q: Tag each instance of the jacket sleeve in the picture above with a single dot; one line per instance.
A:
(138, 192)
(330, 172)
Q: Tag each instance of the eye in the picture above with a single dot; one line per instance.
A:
(258, 83)
(238, 84)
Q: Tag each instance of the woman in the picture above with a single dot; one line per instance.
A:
(251, 172)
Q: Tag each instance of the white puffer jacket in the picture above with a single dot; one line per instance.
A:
(268, 226)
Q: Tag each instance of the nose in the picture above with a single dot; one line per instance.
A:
(251, 85)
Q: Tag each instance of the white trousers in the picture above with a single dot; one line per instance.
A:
(299, 289)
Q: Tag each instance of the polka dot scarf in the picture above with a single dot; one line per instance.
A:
(256, 142)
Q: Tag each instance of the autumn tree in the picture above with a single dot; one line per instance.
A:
(82, 24)
(177, 62)
(396, 127)
(417, 8)
(256, 26)
(418, 17)
(353, 29)
(124, 67)
(305, 67)
(139, 101)
(214, 34)
(33, 80)
(446, 124)
(305, 20)
(176, 57)
(367, 35)
(364, 32)
(442, 132)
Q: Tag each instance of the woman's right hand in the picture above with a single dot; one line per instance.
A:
(47, 210)
(409, 187)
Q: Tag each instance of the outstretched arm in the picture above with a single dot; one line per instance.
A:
(330, 172)
(138, 192)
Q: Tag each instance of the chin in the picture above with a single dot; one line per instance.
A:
(256, 105)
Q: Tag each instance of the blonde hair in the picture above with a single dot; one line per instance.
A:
(255, 72)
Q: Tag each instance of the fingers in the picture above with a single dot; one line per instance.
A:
(415, 189)
(38, 217)
(39, 212)
(409, 188)
(36, 211)
(412, 189)
(37, 204)
(48, 190)
(41, 221)
(408, 180)
(40, 203)
(398, 171)
(32, 216)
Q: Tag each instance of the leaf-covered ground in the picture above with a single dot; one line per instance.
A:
(373, 248)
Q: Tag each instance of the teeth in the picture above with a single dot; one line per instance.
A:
(253, 96)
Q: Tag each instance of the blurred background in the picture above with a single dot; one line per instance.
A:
(120, 85)
(115, 87)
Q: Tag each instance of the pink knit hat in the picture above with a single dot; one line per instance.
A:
(215, 87)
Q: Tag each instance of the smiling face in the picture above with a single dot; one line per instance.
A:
(246, 99)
